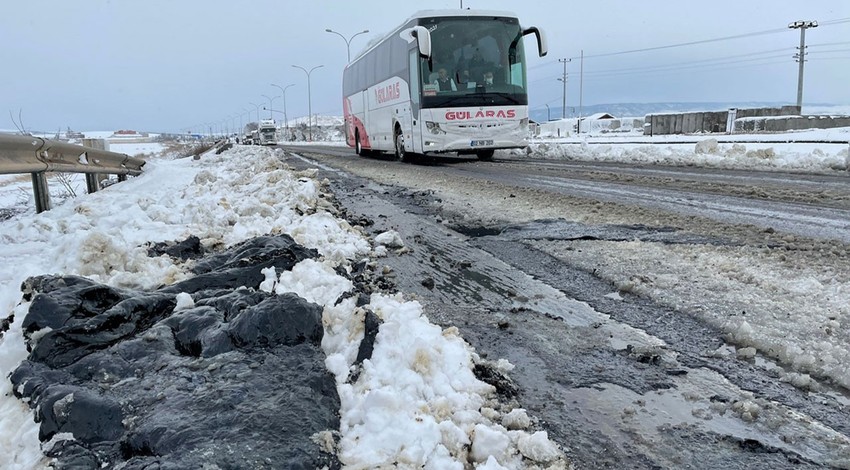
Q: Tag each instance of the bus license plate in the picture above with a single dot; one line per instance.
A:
(481, 143)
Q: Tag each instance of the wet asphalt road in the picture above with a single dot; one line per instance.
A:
(617, 380)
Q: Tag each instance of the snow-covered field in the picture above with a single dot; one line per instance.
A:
(419, 378)
(137, 149)
(740, 151)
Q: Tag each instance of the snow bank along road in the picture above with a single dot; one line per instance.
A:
(222, 313)
(657, 316)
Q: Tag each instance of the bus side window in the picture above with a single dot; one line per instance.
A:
(414, 76)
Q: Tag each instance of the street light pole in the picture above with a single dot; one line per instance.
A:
(258, 112)
(564, 79)
(347, 41)
(309, 100)
(283, 91)
(247, 118)
(271, 105)
(801, 56)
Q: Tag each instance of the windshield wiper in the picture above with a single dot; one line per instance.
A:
(509, 96)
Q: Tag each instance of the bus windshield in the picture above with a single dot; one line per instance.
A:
(475, 61)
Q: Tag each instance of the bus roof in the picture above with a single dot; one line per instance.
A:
(433, 14)
(459, 12)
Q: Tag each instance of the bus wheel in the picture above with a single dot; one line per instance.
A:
(398, 138)
(485, 155)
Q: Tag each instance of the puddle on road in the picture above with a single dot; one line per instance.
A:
(704, 401)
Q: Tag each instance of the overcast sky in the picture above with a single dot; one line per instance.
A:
(159, 65)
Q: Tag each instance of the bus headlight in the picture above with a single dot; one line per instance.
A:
(434, 127)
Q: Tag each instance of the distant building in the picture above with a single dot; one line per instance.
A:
(598, 116)
(128, 133)
(74, 134)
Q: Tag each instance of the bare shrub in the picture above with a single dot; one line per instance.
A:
(67, 182)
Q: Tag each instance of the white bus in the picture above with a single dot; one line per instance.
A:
(444, 81)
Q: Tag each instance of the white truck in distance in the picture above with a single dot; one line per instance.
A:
(267, 132)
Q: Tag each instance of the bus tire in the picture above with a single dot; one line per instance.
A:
(398, 141)
(485, 155)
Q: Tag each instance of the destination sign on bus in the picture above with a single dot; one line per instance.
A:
(488, 113)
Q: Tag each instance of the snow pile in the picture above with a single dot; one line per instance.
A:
(390, 239)
(416, 402)
(706, 153)
(18, 433)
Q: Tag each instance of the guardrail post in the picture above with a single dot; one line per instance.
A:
(41, 192)
(92, 182)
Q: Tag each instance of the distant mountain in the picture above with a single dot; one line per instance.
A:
(642, 109)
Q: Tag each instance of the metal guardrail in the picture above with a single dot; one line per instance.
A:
(37, 156)
(25, 154)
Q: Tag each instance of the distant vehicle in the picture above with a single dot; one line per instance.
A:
(74, 134)
(267, 132)
(395, 98)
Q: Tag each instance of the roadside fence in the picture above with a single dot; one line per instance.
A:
(37, 156)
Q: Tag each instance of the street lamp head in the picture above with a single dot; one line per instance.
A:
(803, 24)
(328, 30)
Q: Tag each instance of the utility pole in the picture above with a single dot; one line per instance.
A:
(580, 93)
(801, 55)
(258, 112)
(285, 120)
(564, 79)
(270, 104)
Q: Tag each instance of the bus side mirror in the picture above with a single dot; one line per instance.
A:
(542, 45)
(423, 39)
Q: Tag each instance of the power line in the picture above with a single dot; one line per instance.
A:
(829, 51)
(692, 43)
(773, 62)
(700, 61)
(686, 64)
(690, 66)
(836, 21)
(713, 62)
(829, 44)
(719, 66)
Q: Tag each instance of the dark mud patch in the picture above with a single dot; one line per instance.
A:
(189, 248)
(236, 381)
(563, 230)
